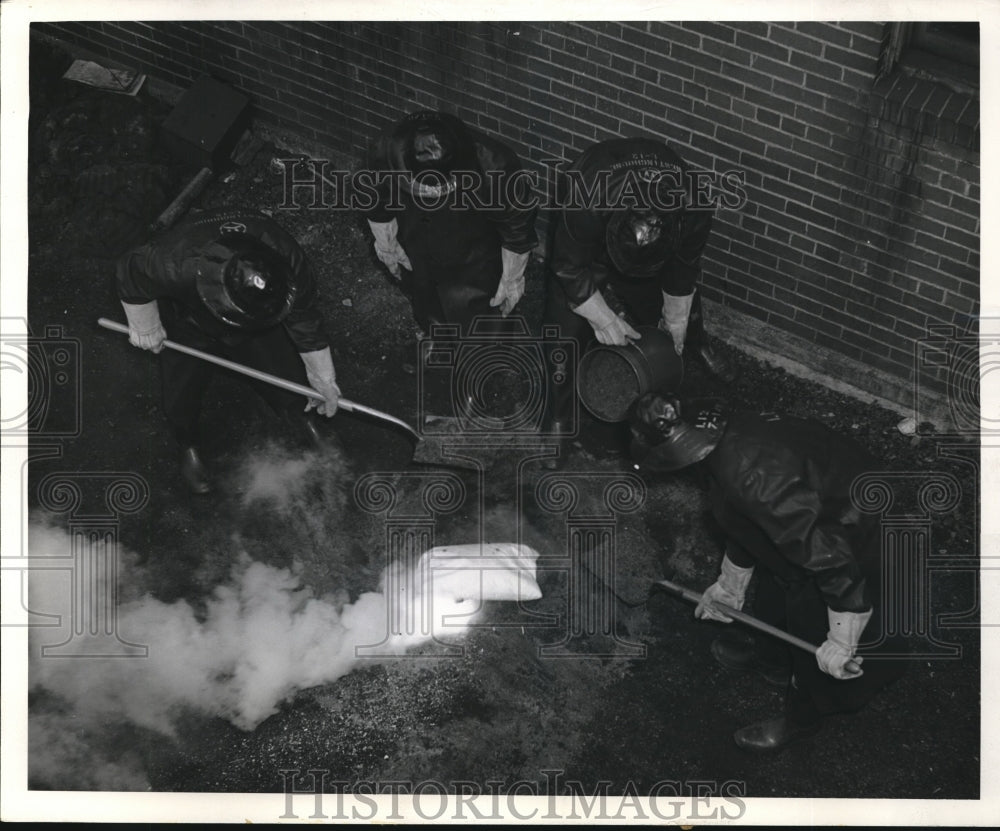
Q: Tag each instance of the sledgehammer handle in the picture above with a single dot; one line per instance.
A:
(749, 620)
(284, 383)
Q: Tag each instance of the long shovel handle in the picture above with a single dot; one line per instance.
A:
(749, 620)
(284, 383)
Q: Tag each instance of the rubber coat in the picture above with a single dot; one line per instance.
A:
(454, 234)
(580, 259)
(167, 267)
(781, 487)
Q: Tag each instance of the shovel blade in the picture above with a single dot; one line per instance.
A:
(431, 452)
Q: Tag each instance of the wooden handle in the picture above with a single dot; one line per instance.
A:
(291, 386)
(749, 620)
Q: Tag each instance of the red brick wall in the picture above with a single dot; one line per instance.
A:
(862, 224)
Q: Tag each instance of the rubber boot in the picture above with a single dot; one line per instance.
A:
(193, 471)
(774, 735)
(697, 343)
(558, 432)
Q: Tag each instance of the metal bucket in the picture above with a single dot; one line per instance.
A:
(610, 378)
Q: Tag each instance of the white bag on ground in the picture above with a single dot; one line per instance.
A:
(490, 571)
(478, 572)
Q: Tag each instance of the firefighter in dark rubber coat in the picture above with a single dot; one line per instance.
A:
(238, 286)
(627, 225)
(455, 209)
(780, 488)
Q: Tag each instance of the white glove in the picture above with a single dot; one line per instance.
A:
(511, 287)
(322, 378)
(144, 327)
(676, 311)
(730, 588)
(387, 247)
(841, 643)
(608, 327)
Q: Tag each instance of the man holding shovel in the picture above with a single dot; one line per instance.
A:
(780, 488)
(238, 286)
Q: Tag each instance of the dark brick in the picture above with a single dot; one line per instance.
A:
(791, 94)
(942, 248)
(826, 32)
(680, 33)
(864, 63)
(718, 31)
(765, 116)
(787, 36)
(669, 65)
(695, 58)
(867, 30)
(779, 70)
(763, 47)
(962, 238)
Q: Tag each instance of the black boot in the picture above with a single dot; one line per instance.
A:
(697, 343)
(193, 471)
(716, 364)
(556, 432)
(774, 735)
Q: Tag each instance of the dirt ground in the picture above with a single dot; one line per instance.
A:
(634, 704)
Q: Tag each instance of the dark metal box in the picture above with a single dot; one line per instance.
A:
(206, 123)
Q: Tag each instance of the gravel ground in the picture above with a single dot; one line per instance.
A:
(633, 705)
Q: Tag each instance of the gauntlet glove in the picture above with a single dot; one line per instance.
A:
(608, 327)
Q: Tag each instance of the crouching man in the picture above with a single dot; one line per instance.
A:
(780, 488)
(238, 286)
(459, 216)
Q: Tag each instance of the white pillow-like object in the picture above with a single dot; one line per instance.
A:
(477, 572)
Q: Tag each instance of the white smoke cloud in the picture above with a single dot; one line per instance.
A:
(261, 637)
(239, 653)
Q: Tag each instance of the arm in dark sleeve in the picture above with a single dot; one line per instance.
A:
(134, 276)
(579, 241)
(789, 510)
(374, 184)
(304, 322)
(684, 271)
(514, 215)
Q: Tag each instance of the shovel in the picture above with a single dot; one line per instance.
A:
(426, 451)
(749, 620)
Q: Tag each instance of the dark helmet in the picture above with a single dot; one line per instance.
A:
(430, 146)
(662, 440)
(253, 286)
(640, 240)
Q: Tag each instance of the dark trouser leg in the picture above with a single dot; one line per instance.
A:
(274, 353)
(560, 401)
(696, 334)
(769, 607)
(424, 297)
(642, 298)
(464, 292)
(184, 380)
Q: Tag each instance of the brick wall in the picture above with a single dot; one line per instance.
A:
(862, 225)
